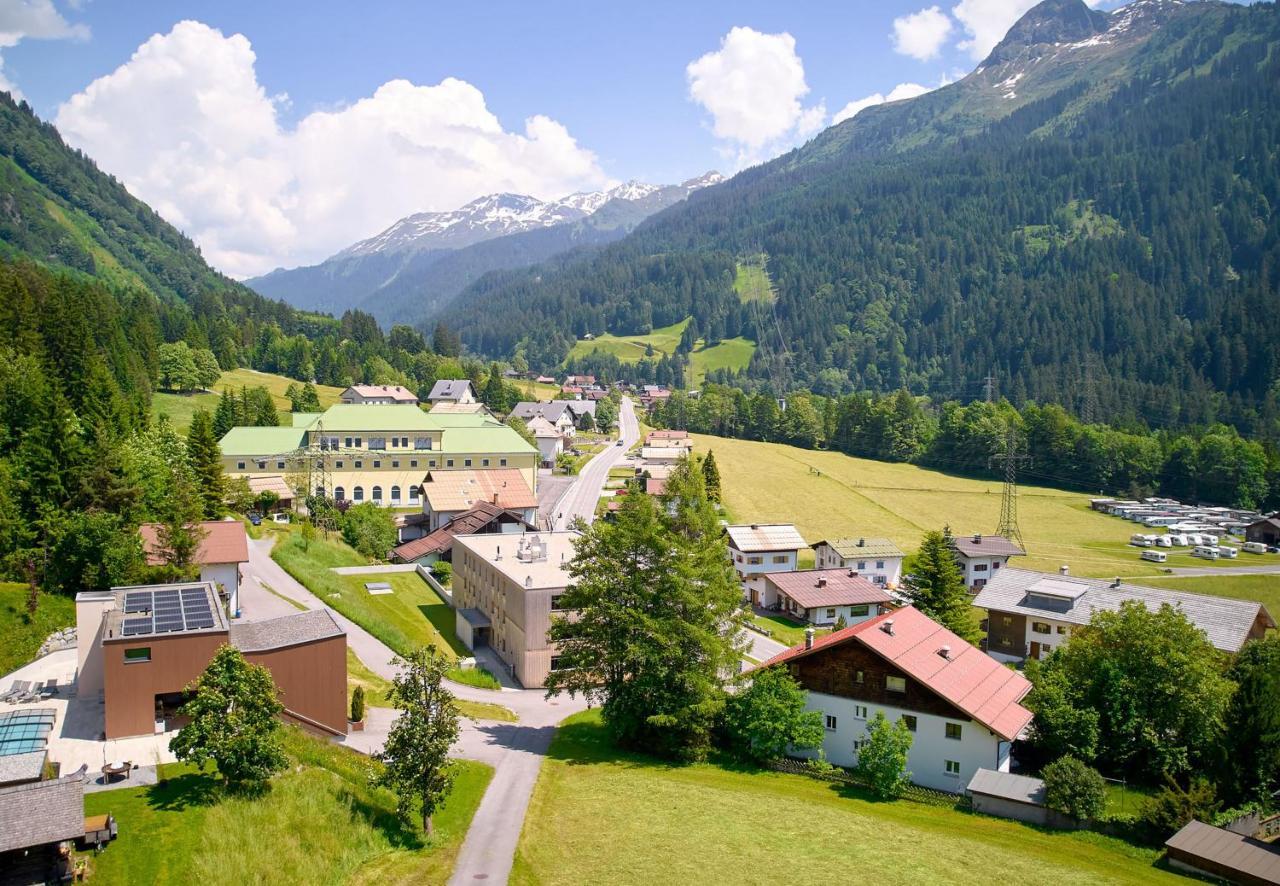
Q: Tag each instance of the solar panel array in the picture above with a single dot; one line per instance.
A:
(166, 611)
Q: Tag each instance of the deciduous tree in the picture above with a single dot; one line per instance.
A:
(882, 759)
(768, 717)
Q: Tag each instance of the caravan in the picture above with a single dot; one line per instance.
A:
(1140, 541)
(1164, 541)
(1254, 547)
(1204, 552)
(1227, 552)
(1177, 540)
(1154, 556)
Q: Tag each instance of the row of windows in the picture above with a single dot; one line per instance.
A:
(756, 560)
(339, 464)
(376, 442)
(357, 494)
(953, 731)
(854, 611)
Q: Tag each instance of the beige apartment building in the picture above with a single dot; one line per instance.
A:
(506, 590)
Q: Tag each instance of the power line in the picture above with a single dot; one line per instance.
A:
(1009, 497)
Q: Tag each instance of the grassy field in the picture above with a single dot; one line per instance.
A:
(22, 632)
(829, 495)
(1263, 588)
(734, 353)
(598, 816)
(320, 822)
(376, 689)
(751, 281)
(180, 407)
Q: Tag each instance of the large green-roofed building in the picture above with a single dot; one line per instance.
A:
(378, 452)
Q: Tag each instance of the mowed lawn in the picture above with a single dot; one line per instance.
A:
(734, 353)
(181, 407)
(598, 816)
(320, 822)
(831, 495)
(1263, 588)
(377, 693)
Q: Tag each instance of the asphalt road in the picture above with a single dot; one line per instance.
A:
(580, 501)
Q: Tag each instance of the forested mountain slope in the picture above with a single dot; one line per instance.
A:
(1113, 237)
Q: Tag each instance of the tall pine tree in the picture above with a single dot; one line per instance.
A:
(935, 586)
(711, 477)
(206, 463)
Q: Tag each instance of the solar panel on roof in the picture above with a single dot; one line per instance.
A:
(134, 626)
(200, 622)
(137, 601)
(163, 597)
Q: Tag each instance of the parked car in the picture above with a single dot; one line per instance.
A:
(280, 517)
(255, 518)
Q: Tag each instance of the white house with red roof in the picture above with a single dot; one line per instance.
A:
(224, 545)
(761, 548)
(823, 596)
(962, 706)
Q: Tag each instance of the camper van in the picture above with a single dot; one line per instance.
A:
(1163, 541)
(1154, 556)
(1227, 552)
(1254, 547)
(1140, 541)
(1204, 552)
(1178, 540)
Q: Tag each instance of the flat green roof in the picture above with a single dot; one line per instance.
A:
(262, 441)
(304, 419)
(491, 438)
(366, 417)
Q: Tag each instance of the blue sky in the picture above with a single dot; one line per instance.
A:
(256, 148)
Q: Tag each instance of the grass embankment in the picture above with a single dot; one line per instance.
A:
(600, 816)
(831, 495)
(411, 617)
(180, 407)
(321, 822)
(21, 632)
(377, 689)
(1263, 588)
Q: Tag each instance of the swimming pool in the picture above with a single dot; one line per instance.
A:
(24, 731)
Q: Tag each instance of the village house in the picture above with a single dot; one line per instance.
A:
(551, 440)
(1265, 531)
(366, 394)
(483, 517)
(451, 390)
(981, 556)
(447, 495)
(139, 647)
(878, 560)
(962, 707)
(824, 596)
(568, 415)
(661, 439)
(1029, 614)
(762, 548)
(224, 545)
(378, 452)
(506, 590)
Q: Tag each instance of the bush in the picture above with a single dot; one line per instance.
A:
(370, 529)
(357, 704)
(882, 760)
(1168, 811)
(442, 571)
(768, 717)
(1074, 788)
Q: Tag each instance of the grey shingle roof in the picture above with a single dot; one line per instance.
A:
(287, 630)
(1241, 855)
(765, 537)
(1225, 621)
(21, 767)
(849, 548)
(1019, 788)
(978, 545)
(41, 812)
(449, 388)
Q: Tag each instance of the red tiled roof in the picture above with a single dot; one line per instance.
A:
(655, 485)
(971, 680)
(467, 523)
(225, 541)
(827, 587)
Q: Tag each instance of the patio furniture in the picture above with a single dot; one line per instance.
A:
(111, 770)
(18, 689)
(32, 694)
(50, 688)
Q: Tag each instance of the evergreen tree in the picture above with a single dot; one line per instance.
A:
(1251, 749)
(935, 586)
(206, 463)
(711, 477)
(226, 416)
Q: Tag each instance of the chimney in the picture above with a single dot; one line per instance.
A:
(945, 652)
(497, 553)
(1064, 569)
(822, 582)
(887, 626)
(977, 538)
(808, 637)
(528, 581)
(755, 525)
(862, 542)
(852, 573)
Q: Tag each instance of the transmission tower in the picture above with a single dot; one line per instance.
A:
(316, 462)
(989, 388)
(1009, 500)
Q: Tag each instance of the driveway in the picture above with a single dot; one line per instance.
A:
(581, 499)
(515, 750)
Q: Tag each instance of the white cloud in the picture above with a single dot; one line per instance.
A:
(922, 34)
(36, 20)
(752, 86)
(899, 92)
(188, 127)
(987, 21)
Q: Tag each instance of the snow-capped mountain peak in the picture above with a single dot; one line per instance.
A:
(496, 215)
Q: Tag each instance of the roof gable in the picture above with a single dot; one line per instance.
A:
(765, 537)
(224, 541)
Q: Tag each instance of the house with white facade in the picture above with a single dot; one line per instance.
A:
(824, 596)
(452, 390)
(877, 559)
(982, 556)
(378, 394)
(963, 708)
(761, 548)
(1029, 614)
(224, 545)
(550, 439)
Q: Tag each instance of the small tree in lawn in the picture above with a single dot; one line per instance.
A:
(233, 722)
(882, 761)
(357, 704)
(1074, 788)
(768, 717)
(711, 475)
(416, 752)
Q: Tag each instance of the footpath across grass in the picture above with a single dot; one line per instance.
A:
(320, 822)
(21, 633)
(601, 816)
